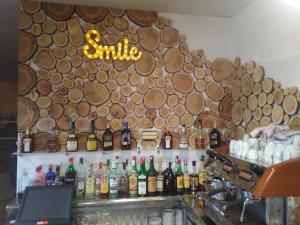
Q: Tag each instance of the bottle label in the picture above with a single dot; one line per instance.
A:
(27, 142)
(80, 187)
(70, 180)
(89, 186)
(152, 184)
(124, 143)
(104, 186)
(183, 146)
(160, 183)
(200, 143)
(113, 185)
(187, 182)
(71, 146)
(133, 184)
(202, 177)
(179, 180)
(194, 183)
(168, 142)
(97, 186)
(91, 145)
(107, 144)
(142, 187)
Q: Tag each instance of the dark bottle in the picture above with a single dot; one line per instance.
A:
(169, 181)
(160, 179)
(152, 178)
(72, 141)
(166, 140)
(27, 142)
(107, 139)
(50, 176)
(123, 188)
(58, 179)
(70, 175)
(179, 179)
(91, 143)
(142, 179)
(126, 138)
(194, 179)
(214, 137)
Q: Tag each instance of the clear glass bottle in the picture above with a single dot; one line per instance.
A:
(179, 178)
(24, 181)
(92, 142)
(202, 174)
(90, 182)
(80, 179)
(72, 141)
(160, 179)
(214, 137)
(107, 139)
(113, 182)
(194, 179)
(133, 178)
(186, 178)
(27, 142)
(58, 178)
(151, 178)
(126, 137)
(123, 191)
(142, 179)
(50, 176)
(183, 141)
(104, 187)
(98, 177)
(166, 140)
(199, 139)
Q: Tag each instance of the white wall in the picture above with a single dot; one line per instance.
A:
(268, 32)
(212, 34)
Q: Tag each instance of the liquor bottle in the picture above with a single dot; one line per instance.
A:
(202, 174)
(52, 143)
(166, 140)
(152, 178)
(133, 178)
(24, 181)
(91, 143)
(214, 137)
(160, 179)
(104, 187)
(142, 179)
(183, 141)
(27, 142)
(58, 178)
(123, 188)
(126, 138)
(72, 144)
(50, 176)
(39, 179)
(113, 182)
(186, 178)
(80, 179)
(200, 140)
(107, 139)
(98, 176)
(194, 179)
(179, 178)
(70, 175)
(90, 182)
(169, 181)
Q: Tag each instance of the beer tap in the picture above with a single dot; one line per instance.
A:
(248, 201)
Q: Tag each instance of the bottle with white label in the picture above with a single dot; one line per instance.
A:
(90, 182)
(184, 141)
(142, 179)
(166, 140)
(113, 182)
(72, 145)
(160, 179)
(80, 179)
(27, 142)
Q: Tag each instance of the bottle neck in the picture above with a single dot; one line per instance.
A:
(185, 168)
(151, 166)
(133, 164)
(178, 167)
(143, 168)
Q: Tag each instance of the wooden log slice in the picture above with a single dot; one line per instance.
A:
(135, 79)
(294, 122)
(237, 62)
(56, 111)
(76, 60)
(164, 111)
(81, 72)
(258, 74)
(267, 110)
(161, 82)
(101, 123)
(183, 82)
(247, 115)
(45, 40)
(214, 91)
(173, 121)
(145, 123)
(199, 73)
(44, 59)
(267, 85)
(116, 12)
(140, 110)
(149, 38)
(58, 11)
(278, 96)
(117, 111)
(251, 126)
(129, 107)
(250, 67)
(39, 17)
(169, 37)
(27, 113)
(30, 7)
(43, 113)
(270, 99)
(82, 124)
(116, 124)
(122, 78)
(45, 124)
(172, 100)
(120, 24)
(277, 114)
(159, 122)
(262, 99)
(247, 84)
(187, 119)
(239, 133)
(189, 68)
(290, 104)
(257, 89)
(102, 76)
(142, 18)
(69, 109)
(173, 60)
(27, 46)
(265, 121)
(66, 82)
(91, 14)
(75, 95)
(228, 134)
(59, 52)
(154, 98)
(184, 48)
(26, 79)
(244, 102)
(208, 119)
(225, 107)
(221, 69)
(286, 119)
(126, 90)
(102, 111)
(43, 102)
(43, 87)
(63, 66)
(61, 25)
(145, 65)
(252, 102)
(258, 114)
(236, 90)
(49, 27)
(131, 120)
(25, 21)
(95, 93)
(60, 39)
(200, 85)
(151, 113)
(195, 103)
(180, 109)
(111, 85)
(237, 112)
(36, 29)
(91, 67)
(115, 97)
(136, 98)
(71, 50)
(75, 32)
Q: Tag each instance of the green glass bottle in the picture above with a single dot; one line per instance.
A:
(70, 175)
(142, 179)
(179, 178)
(152, 178)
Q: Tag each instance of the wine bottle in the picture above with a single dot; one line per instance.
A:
(27, 142)
(152, 178)
(160, 179)
(199, 140)
(166, 140)
(142, 179)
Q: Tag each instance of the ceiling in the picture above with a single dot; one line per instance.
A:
(10, 11)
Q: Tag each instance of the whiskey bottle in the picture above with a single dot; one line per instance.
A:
(166, 140)
(27, 142)
(199, 140)
(194, 179)
(126, 137)
(72, 144)
(160, 179)
(92, 143)
(214, 137)
(152, 178)
(179, 178)
(133, 178)
(107, 139)
(184, 141)
(142, 179)
(186, 178)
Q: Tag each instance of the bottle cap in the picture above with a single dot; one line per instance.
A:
(133, 157)
(142, 159)
(71, 160)
(179, 161)
(185, 162)
(38, 168)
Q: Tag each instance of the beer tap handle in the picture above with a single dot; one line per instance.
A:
(248, 201)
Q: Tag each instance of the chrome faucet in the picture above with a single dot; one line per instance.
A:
(248, 201)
